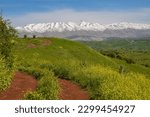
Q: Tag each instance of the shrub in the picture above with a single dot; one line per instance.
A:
(146, 65)
(7, 34)
(25, 36)
(5, 75)
(34, 36)
(130, 61)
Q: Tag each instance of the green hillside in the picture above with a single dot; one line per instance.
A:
(135, 51)
(128, 44)
(105, 78)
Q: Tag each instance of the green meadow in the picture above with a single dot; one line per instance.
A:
(135, 51)
(104, 77)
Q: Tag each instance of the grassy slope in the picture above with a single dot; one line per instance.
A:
(132, 44)
(74, 61)
(137, 50)
(60, 50)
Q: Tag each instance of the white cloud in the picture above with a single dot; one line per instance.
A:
(137, 16)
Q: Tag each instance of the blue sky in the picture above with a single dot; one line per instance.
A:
(62, 10)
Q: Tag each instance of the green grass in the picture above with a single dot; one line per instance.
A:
(127, 44)
(5, 75)
(140, 57)
(133, 51)
(105, 83)
(71, 60)
(47, 87)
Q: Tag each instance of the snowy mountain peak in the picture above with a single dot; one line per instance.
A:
(85, 26)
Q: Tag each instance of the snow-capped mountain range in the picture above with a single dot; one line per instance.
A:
(86, 30)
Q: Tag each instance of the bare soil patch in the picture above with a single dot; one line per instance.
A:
(46, 42)
(31, 45)
(43, 43)
(21, 84)
(71, 91)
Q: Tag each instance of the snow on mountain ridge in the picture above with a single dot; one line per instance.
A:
(85, 26)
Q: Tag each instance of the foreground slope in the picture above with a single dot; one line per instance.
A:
(49, 59)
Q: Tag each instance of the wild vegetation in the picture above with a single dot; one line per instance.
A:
(51, 58)
(133, 51)
(7, 34)
(103, 77)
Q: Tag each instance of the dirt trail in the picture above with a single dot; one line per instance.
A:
(43, 43)
(23, 83)
(20, 85)
(71, 91)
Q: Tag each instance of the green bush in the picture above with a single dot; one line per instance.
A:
(130, 61)
(25, 36)
(48, 86)
(34, 36)
(33, 96)
(7, 35)
(5, 75)
(146, 65)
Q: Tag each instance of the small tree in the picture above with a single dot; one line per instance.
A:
(25, 36)
(34, 36)
(7, 34)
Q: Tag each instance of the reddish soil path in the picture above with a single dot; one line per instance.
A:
(71, 91)
(20, 85)
(23, 83)
(43, 43)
